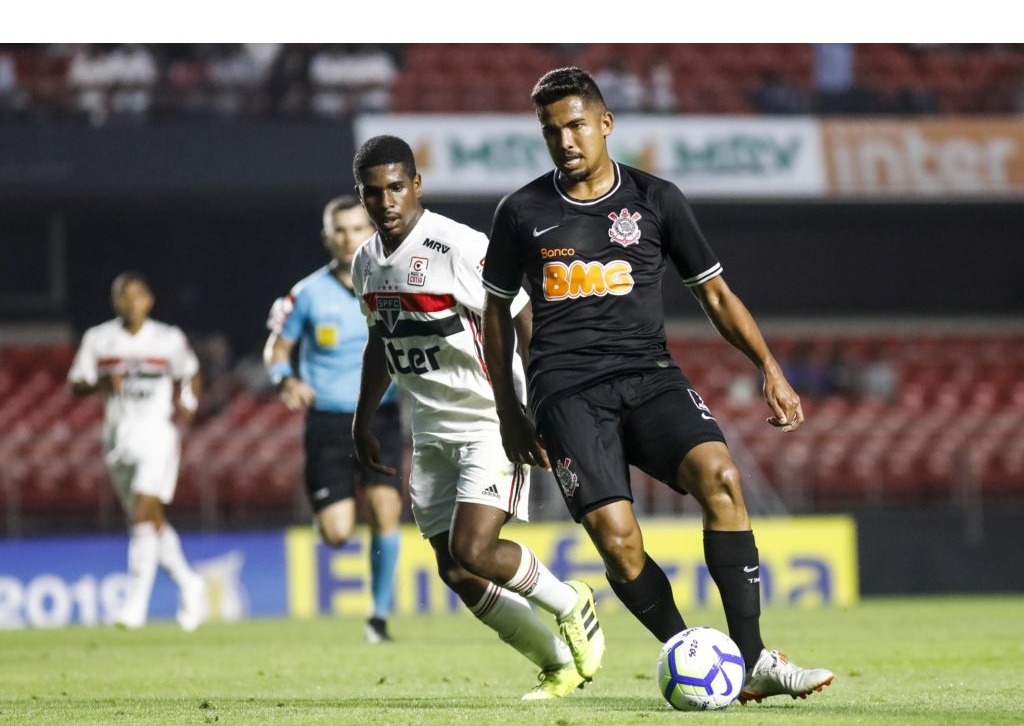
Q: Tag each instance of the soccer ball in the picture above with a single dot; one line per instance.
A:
(700, 669)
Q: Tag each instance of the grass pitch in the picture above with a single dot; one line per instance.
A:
(900, 661)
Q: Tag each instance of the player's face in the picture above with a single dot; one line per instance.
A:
(132, 302)
(576, 136)
(392, 199)
(347, 229)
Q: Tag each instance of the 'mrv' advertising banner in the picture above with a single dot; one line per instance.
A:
(733, 157)
(706, 156)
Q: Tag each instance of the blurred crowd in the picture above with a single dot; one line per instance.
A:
(102, 83)
(130, 82)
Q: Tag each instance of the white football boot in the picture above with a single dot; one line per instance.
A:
(774, 675)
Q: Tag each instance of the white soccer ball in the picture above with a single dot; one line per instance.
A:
(700, 669)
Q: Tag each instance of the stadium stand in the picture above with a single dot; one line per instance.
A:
(942, 423)
(275, 80)
(896, 417)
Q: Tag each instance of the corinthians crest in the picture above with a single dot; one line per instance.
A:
(625, 229)
(567, 478)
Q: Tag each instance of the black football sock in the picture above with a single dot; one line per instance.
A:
(649, 598)
(732, 560)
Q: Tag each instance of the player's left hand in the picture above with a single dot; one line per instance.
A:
(787, 413)
(368, 452)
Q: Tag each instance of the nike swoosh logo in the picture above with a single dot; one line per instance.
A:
(707, 417)
(538, 233)
(750, 569)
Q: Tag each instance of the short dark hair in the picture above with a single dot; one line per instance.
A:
(381, 150)
(561, 82)
(130, 276)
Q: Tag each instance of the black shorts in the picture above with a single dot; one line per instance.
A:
(332, 470)
(650, 420)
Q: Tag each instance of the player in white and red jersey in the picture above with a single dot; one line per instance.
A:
(419, 279)
(135, 363)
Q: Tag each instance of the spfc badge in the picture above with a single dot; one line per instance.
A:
(567, 478)
(389, 307)
(625, 229)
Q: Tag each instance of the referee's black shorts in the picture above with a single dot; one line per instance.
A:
(650, 419)
(332, 470)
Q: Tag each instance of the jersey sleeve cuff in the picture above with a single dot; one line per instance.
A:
(703, 277)
(498, 292)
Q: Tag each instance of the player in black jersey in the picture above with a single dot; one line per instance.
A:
(593, 239)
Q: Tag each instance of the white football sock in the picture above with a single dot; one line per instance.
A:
(143, 546)
(515, 622)
(172, 558)
(535, 582)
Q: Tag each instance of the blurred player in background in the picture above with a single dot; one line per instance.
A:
(322, 314)
(419, 281)
(593, 239)
(135, 362)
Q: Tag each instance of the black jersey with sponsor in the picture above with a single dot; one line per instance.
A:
(594, 270)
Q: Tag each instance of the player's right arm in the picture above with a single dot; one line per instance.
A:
(518, 434)
(105, 385)
(502, 275)
(85, 378)
(373, 382)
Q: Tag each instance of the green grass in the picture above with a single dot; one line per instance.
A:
(900, 661)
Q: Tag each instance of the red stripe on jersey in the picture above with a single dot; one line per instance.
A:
(516, 491)
(161, 362)
(104, 362)
(414, 302)
(476, 328)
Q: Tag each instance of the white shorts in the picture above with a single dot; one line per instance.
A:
(444, 473)
(144, 460)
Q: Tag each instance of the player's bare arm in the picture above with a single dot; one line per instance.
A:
(296, 394)
(735, 323)
(187, 402)
(523, 323)
(105, 385)
(518, 434)
(373, 383)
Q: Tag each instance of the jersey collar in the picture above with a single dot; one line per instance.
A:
(415, 236)
(588, 202)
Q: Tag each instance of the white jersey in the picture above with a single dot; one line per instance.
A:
(150, 361)
(426, 301)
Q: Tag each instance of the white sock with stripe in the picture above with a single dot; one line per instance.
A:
(516, 623)
(535, 582)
